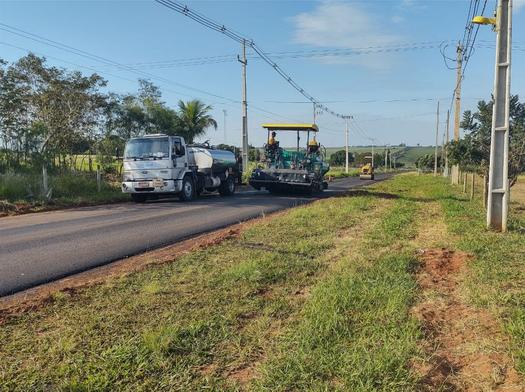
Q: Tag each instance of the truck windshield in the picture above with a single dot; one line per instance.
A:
(146, 148)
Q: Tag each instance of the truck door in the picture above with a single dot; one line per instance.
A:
(178, 155)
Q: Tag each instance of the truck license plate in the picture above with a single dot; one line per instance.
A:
(158, 183)
(143, 185)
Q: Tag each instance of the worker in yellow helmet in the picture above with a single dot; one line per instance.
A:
(313, 146)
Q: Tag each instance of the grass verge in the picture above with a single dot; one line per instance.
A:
(318, 298)
(21, 193)
(355, 332)
(497, 272)
(181, 326)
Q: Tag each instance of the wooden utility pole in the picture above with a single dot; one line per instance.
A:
(457, 109)
(472, 186)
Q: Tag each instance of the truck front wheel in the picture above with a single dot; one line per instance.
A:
(188, 189)
(139, 197)
(227, 187)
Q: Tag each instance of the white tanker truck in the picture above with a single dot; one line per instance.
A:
(160, 165)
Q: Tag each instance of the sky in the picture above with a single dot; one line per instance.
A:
(391, 94)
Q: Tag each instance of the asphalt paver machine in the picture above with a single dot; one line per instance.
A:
(287, 170)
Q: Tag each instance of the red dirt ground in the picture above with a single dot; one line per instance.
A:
(464, 345)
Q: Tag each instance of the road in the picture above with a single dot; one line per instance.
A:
(41, 247)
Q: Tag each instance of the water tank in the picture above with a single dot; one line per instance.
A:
(209, 160)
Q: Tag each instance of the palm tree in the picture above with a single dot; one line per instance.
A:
(194, 119)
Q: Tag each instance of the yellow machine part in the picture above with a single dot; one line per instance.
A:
(367, 172)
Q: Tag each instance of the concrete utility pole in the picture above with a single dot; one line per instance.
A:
(498, 192)
(346, 144)
(457, 109)
(244, 62)
(437, 142)
(224, 124)
(372, 154)
(445, 170)
(386, 158)
(315, 108)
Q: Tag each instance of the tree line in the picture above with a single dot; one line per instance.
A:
(472, 152)
(50, 115)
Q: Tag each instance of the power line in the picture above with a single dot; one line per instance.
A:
(313, 53)
(94, 57)
(183, 9)
(75, 51)
(467, 43)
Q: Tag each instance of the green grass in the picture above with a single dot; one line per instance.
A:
(497, 271)
(339, 172)
(356, 332)
(317, 298)
(67, 189)
(160, 328)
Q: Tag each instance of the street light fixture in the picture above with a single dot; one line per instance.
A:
(483, 20)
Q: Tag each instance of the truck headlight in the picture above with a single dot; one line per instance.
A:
(127, 176)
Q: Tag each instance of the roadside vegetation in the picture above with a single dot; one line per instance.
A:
(24, 192)
(339, 172)
(70, 125)
(318, 298)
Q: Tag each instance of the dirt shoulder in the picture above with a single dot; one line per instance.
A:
(465, 347)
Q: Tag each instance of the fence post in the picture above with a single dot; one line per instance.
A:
(485, 191)
(472, 188)
(464, 182)
(45, 184)
(99, 178)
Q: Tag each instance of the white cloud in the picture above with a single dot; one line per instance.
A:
(344, 25)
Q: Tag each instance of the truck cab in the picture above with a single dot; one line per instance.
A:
(160, 165)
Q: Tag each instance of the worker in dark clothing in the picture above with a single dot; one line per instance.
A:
(272, 141)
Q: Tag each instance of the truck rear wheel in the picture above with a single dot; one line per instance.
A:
(188, 189)
(227, 187)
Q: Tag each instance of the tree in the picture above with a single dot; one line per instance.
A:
(194, 119)
(254, 154)
(426, 162)
(338, 158)
(360, 158)
(47, 110)
(473, 151)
